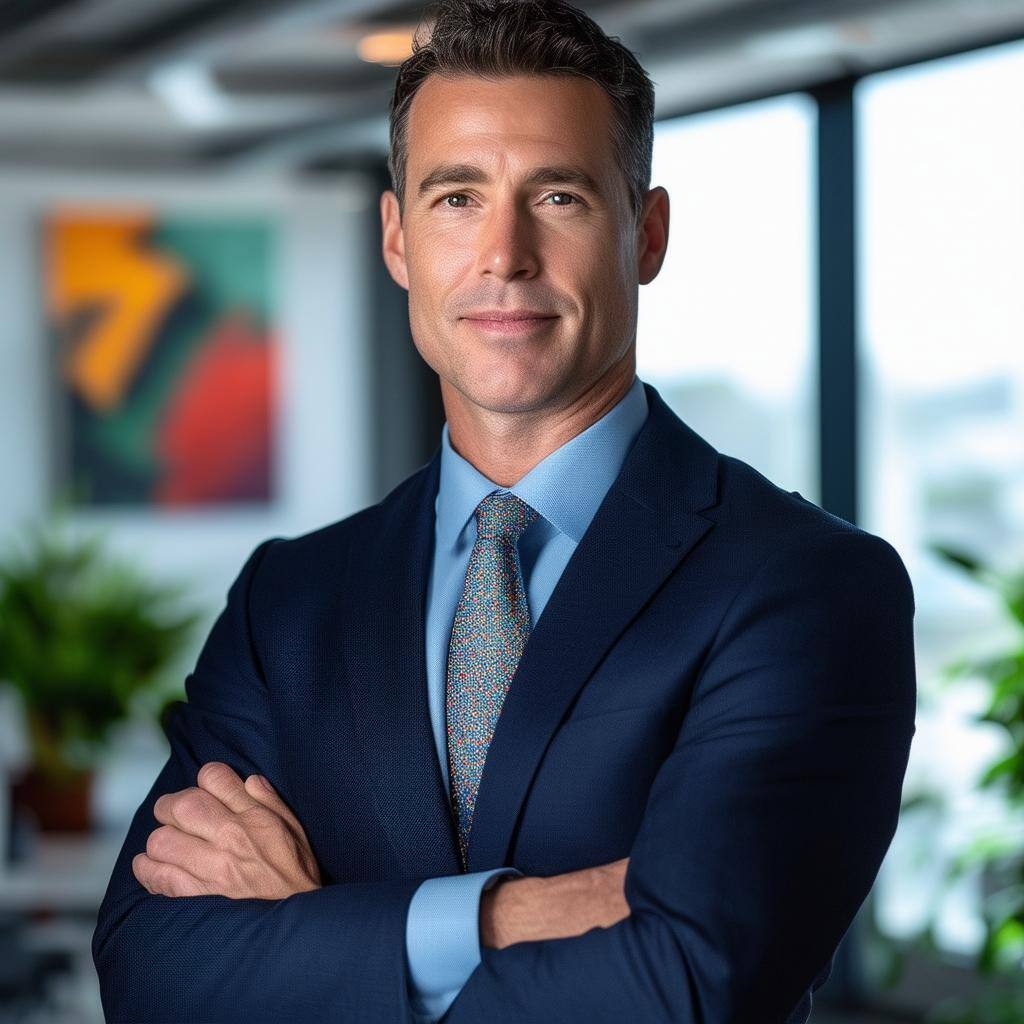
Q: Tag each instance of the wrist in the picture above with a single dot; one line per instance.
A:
(510, 911)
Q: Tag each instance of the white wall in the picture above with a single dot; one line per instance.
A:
(324, 452)
(323, 467)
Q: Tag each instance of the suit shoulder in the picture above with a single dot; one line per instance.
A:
(352, 525)
(748, 493)
(325, 548)
(778, 522)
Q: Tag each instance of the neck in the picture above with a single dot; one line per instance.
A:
(506, 446)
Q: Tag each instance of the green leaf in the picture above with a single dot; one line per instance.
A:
(956, 556)
(82, 631)
(1007, 766)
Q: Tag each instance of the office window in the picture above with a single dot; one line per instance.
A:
(726, 331)
(941, 228)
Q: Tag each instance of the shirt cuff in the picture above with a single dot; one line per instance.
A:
(442, 938)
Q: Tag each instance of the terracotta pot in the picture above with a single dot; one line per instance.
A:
(57, 805)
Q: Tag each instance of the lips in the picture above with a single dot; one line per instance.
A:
(504, 315)
(508, 323)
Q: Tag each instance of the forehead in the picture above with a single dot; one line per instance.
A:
(542, 117)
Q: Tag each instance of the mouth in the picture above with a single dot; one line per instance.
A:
(514, 325)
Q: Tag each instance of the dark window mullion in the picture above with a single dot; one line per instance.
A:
(837, 298)
(837, 396)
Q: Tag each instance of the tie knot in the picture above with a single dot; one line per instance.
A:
(502, 515)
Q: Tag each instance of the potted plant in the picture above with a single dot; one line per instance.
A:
(82, 635)
(998, 854)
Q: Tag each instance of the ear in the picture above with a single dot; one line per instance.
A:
(393, 239)
(652, 234)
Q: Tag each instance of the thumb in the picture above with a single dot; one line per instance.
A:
(259, 787)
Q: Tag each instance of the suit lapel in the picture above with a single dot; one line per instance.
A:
(646, 525)
(648, 522)
(384, 654)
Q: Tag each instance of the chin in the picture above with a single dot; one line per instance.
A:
(510, 392)
(506, 379)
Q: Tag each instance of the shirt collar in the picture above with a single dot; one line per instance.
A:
(565, 487)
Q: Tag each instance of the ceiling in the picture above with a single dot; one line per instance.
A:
(272, 86)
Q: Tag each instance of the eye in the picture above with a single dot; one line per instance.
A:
(564, 195)
(459, 200)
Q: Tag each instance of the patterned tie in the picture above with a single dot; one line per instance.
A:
(492, 625)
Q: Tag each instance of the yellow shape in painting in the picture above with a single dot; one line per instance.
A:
(101, 261)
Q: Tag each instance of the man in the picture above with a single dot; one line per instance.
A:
(584, 721)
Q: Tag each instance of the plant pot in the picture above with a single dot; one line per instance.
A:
(57, 804)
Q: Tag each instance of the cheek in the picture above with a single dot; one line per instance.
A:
(436, 279)
(440, 256)
(589, 258)
(618, 271)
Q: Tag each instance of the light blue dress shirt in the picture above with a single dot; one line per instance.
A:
(566, 488)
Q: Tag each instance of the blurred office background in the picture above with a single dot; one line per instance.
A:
(200, 348)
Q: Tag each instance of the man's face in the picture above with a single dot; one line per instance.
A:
(514, 203)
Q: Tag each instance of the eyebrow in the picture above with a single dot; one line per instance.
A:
(468, 174)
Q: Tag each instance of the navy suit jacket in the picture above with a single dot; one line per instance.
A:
(721, 687)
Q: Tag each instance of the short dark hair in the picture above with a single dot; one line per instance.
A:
(494, 38)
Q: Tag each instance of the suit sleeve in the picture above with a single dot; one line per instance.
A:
(443, 938)
(765, 826)
(332, 954)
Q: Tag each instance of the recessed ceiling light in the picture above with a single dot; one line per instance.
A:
(390, 47)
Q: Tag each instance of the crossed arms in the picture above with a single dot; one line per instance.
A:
(802, 717)
(238, 839)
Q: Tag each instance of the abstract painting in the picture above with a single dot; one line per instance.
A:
(164, 333)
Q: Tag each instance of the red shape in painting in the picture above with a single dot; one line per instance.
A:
(215, 438)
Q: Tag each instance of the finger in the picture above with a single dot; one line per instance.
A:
(269, 798)
(169, 845)
(223, 782)
(192, 810)
(166, 879)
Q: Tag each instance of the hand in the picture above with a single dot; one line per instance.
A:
(557, 907)
(226, 838)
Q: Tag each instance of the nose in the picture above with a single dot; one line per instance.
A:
(507, 243)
